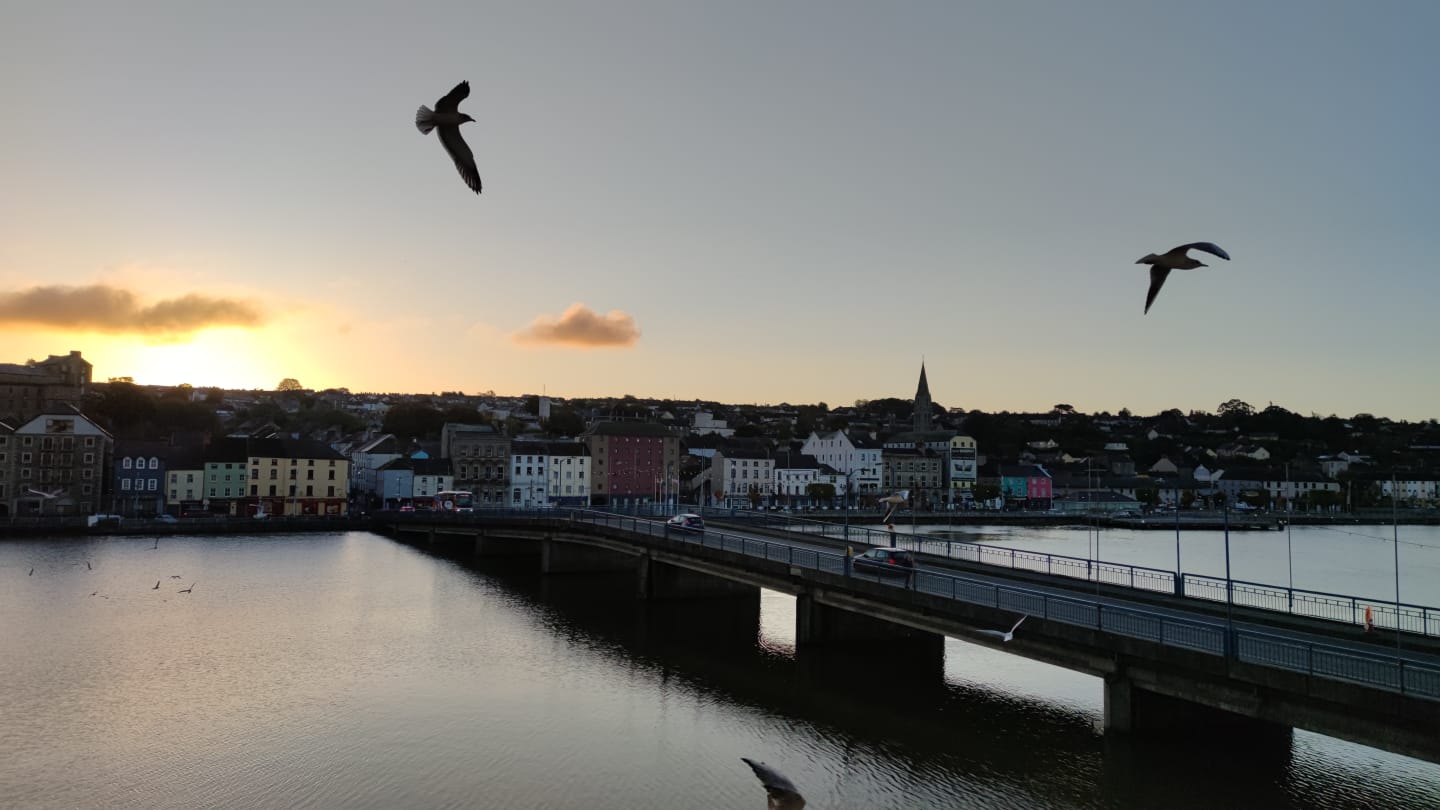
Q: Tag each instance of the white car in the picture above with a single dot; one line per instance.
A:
(686, 522)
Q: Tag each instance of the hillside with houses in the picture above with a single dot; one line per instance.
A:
(71, 446)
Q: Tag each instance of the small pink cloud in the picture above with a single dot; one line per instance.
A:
(582, 327)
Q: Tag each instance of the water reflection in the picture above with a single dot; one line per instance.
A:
(351, 671)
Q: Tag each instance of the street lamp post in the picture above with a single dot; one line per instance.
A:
(847, 499)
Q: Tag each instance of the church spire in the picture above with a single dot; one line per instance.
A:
(922, 402)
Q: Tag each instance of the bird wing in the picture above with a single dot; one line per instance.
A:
(460, 152)
(1017, 624)
(450, 102)
(889, 513)
(1158, 275)
(1209, 247)
(992, 634)
(777, 786)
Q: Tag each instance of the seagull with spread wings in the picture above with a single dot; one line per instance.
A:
(780, 792)
(1175, 259)
(447, 118)
(892, 503)
(1003, 635)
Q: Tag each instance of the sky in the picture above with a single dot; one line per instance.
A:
(747, 202)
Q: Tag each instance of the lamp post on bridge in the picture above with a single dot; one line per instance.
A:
(848, 475)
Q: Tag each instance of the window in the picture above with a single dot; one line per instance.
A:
(292, 490)
(153, 484)
(309, 475)
(254, 489)
(515, 496)
(332, 492)
(126, 463)
(332, 475)
(254, 475)
(292, 474)
(125, 484)
(274, 474)
(174, 478)
(272, 489)
(309, 490)
(154, 463)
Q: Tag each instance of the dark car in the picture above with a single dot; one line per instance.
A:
(686, 523)
(896, 562)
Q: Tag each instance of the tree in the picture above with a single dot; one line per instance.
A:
(1064, 409)
(754, 496)
(564, 422)
(985, 492)
(1236, 407)
(289, 384)
(820, 492)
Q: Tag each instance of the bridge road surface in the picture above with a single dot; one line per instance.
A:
(1280, 628)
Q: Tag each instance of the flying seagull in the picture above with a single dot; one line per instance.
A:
(892, 503)
(447, 117)
(1175, 259)
(157, 586)
(188, 590)
(1003, 636)
(782, 793)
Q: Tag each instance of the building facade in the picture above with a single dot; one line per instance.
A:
(53, 464)
(631, 462)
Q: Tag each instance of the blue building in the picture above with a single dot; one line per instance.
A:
(138, 480)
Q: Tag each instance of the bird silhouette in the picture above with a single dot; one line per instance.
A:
(1175, 259)
(87, 566)
(1003, 636)
(32, 573)
(447, 118)
(174, 576)
(781, 793)
(892, 503)
(157, 586)
(188, 590)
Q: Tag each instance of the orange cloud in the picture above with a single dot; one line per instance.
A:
(583, 327)
(103, 308)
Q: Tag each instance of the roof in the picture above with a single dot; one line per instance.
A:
(631, 429)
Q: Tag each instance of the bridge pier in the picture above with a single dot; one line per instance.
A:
(558, 557)
(659, 581)
(1131, 709)
(817, 623)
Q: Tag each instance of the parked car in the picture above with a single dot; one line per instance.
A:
(886, 562)
(165, 517)
(103, 521)
(686, 523)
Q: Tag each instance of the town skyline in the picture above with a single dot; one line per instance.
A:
(739, 203)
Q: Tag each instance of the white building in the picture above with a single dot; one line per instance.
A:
(369, 457)
(549, 474)
(855, 455)
(734, 473)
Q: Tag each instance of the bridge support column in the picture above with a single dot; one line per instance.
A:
(658, 581)
(817, 623)
(1129, 709)
(574, 558)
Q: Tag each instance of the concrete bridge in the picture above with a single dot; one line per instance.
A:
(1170, 664)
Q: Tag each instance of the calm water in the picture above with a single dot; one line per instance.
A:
(349, 671)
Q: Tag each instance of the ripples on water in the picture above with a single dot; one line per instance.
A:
(351, 671)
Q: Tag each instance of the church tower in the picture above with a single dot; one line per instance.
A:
(922, 403)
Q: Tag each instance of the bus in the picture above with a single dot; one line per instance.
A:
(450, 500)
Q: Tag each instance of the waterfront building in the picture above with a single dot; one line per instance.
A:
(53, 464)
(630, 460)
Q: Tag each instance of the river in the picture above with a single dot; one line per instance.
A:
(350, 671)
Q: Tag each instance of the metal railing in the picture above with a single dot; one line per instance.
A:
(1419, 619)
(1383, 670)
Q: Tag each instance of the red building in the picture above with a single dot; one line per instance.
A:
(632, 462)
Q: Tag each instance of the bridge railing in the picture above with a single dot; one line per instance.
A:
(1318, 605)
(1380, 670)
(1408, 618)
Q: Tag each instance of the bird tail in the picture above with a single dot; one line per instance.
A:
(424, 119)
